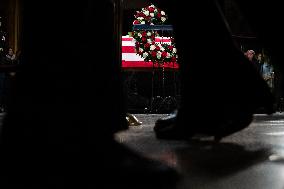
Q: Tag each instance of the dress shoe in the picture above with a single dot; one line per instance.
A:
(171, 128)
(132, 120)
(167, 128)
(166, 121)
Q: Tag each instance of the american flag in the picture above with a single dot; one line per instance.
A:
(131, 60)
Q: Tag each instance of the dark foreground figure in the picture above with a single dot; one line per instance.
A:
(67, 99)
(67, 103)
(217, 80)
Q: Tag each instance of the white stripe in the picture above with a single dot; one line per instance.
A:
(126, 36)
(131, 57)
(164, 42)
(132, 43)
(128, 43)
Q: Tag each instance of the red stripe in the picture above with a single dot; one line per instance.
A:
(142, 64)
(162, 40)
(128, 49)
(156, 39)
(127, 39)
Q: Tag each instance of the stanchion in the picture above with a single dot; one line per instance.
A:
(160, 103)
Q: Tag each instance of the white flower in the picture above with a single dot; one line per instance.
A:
(163, 13)
(151, 24)
(141, 50)
(159, 55)
(1, 49)
(174, 50)
(152, 47)
(140, 18)
(168, 55)
(149, 34)
(145, 55)
(142, 22)
(156, 10)
(163, 19)
(149, 40)
(152, 6)
(147, 13)
(162, 49)
(139, 35)
(152, 14)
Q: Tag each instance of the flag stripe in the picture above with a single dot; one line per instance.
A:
(132, 60)
(142, 64)
(128, 49)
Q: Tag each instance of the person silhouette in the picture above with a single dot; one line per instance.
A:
(269, 34)
(66, 105)
(10, 56)
(220, 89)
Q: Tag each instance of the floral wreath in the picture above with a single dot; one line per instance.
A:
(145, 44)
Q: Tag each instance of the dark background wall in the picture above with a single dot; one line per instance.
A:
(10, 11)
(4, 13)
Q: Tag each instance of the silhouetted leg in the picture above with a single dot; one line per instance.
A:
(216, 79)
(67, 103)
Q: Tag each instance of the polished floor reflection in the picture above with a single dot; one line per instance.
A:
(250, 159)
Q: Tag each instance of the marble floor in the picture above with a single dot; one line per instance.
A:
(250, 159)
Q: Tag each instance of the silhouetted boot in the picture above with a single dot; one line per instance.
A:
(224, 120)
